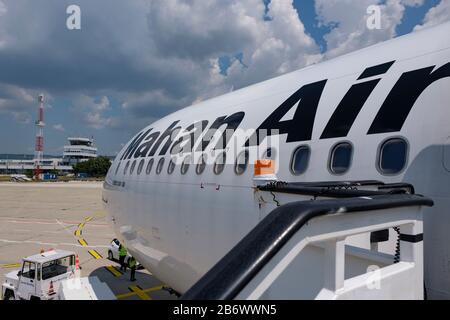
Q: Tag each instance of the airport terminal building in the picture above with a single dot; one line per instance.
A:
(79, 149)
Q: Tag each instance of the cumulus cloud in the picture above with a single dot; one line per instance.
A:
(133, 62)
(350, 17)
(156, 56)
(436, 15)
(281, 46)
(92, 111)
(17, 102)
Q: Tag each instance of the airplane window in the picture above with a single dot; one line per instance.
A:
(241, 162)
(149, 166)
(341, 158)
(393, 155)
(170, 167)
(185, 165)
(140, 166)
(300, 160)
(160, 165)
(132, 167)
(201, 165)
(220, 163)
(125, 170)
(117, 169)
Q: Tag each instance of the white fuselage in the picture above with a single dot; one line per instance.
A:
(178, 225)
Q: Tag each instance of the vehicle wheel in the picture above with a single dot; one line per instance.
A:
(110, 255)
(9, 295)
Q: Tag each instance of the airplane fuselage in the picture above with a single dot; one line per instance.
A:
(178, 220)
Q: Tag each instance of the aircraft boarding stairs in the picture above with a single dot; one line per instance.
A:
(325, 246)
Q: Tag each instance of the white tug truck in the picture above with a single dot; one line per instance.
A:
(53, 275)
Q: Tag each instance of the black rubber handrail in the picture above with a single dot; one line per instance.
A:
(337, 189)
(329, 192)
(239, 266)
(343, 183)
(399, 185)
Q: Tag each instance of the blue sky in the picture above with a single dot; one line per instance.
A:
(133, 62)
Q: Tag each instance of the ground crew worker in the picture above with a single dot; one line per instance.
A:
(132, 265)
(122, 256)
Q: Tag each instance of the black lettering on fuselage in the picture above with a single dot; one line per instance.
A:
(390, 118)
(232, 122)
(348, 109)
(301, 126)
(406, 91)
(134, 144)
(169, 134)
(189, 137)
(144, 148)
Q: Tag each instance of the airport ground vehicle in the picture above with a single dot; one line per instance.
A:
(42, 275)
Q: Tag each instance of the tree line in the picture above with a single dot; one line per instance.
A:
(95, 167)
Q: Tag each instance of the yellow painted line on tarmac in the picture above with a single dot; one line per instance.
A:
(153, 289)
(78, 233)
(88, 219)
(82, 242)
(114, 271)
(95, 254)
(141, 294)
(12, 265)
(135, 290)
(125, 295)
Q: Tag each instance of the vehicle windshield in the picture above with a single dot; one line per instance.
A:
(57, 267)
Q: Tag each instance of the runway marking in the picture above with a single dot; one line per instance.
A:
(47, 221)
(82, 242)
(136, 290)
(114, 271)
(80, 246)
(13, 265)
(95, 254)
(53, 244)
(39, 242)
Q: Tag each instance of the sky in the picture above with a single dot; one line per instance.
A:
(133, 62)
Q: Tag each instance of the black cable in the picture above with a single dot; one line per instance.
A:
(275, 199)
(397, 246)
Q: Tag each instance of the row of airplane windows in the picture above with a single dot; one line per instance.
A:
(392, 157)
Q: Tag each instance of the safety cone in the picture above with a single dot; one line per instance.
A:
(51, 291)
(77, 263)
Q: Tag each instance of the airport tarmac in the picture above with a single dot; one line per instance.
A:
(69, 216)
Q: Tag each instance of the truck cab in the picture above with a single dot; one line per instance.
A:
(40, 276)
